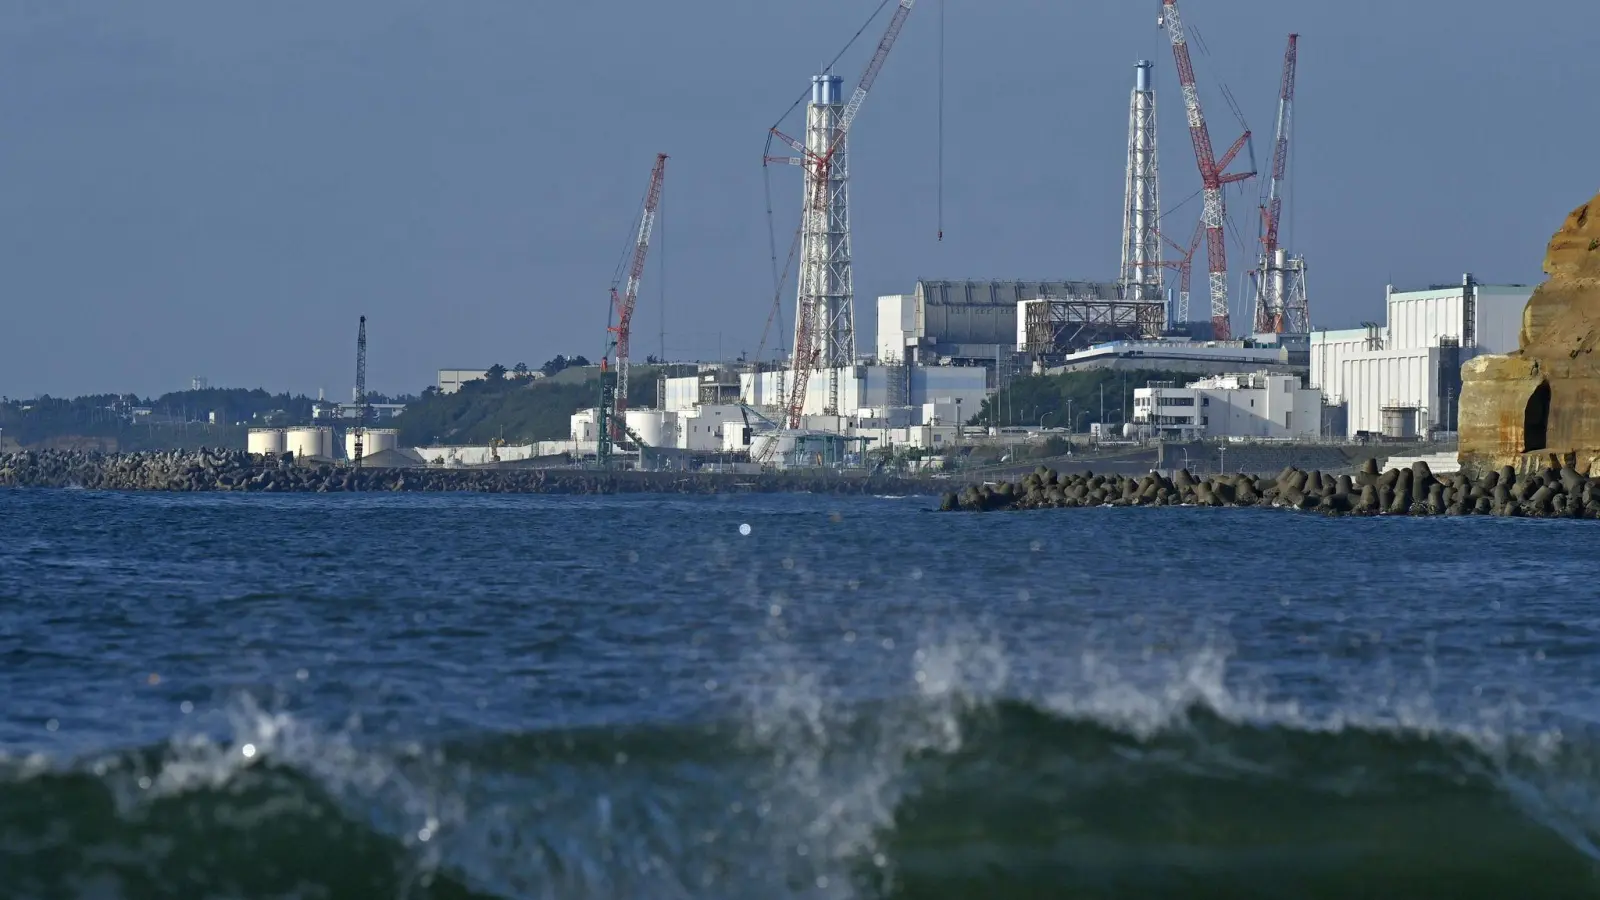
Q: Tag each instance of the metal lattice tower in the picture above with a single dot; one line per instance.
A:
(1291, 286)
(1141, 208)
(826, 297)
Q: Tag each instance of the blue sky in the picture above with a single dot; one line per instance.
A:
(220, 187)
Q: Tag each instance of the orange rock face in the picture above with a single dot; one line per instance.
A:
(1540, 405)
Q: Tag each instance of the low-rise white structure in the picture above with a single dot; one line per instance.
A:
(1256, 405)
(1378, 378)
(705, 428)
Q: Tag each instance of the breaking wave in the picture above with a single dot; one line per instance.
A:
(947, 794)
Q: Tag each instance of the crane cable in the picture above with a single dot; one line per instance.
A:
(941, 121)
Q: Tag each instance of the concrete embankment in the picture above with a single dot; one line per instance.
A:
(1552, 493)
(229, 470)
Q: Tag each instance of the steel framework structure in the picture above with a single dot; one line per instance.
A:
(1054, 326)
(1141, 208)
(825, 301)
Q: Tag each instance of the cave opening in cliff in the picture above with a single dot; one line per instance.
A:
(1536, 419)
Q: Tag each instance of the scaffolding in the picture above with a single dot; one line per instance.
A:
(1054, 326)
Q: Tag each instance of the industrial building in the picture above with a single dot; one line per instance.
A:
(863, 387)
(980, 322)
(1402, 379)
(1258, 405)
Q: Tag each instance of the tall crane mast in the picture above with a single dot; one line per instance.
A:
(624, 304)
(1212, 169)
(1271, 315)
(364, 407)
(819, 209)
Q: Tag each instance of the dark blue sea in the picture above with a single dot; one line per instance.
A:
(770, 697)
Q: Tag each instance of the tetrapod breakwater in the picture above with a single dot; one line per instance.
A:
(1415, 491)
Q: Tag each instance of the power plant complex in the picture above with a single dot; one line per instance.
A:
(943, 348)
(946, 346)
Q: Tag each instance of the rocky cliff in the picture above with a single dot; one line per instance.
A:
(1540, 406)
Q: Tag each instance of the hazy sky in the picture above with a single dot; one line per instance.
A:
(220, 187)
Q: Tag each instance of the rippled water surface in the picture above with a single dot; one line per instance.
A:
(558, 697)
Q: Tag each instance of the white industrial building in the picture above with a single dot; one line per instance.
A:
(1403, 379)
(974, 321)
(864, 387)
(1258, 405)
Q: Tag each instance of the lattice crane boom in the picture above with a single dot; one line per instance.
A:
(625, 303)
(1211, 169)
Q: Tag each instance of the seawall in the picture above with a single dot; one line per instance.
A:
(232, 470)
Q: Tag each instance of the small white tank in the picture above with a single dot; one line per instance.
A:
(265, 441)
(308, 442)
(374, 442)
(653, 426)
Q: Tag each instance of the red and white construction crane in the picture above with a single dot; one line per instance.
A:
(825, 270)
(1212, 169)
(623, 304)
(1272, 295)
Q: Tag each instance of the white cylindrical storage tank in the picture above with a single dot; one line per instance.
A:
(381, 439)
(265, 441)
(307, 442)
(374, 442)
(648, 424)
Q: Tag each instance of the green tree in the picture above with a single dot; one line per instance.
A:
(496, 372)
(521, 370)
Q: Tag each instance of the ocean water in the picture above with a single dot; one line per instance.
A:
(553, 697)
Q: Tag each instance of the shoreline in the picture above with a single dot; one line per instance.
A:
(237, 471)
(1414, 491)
